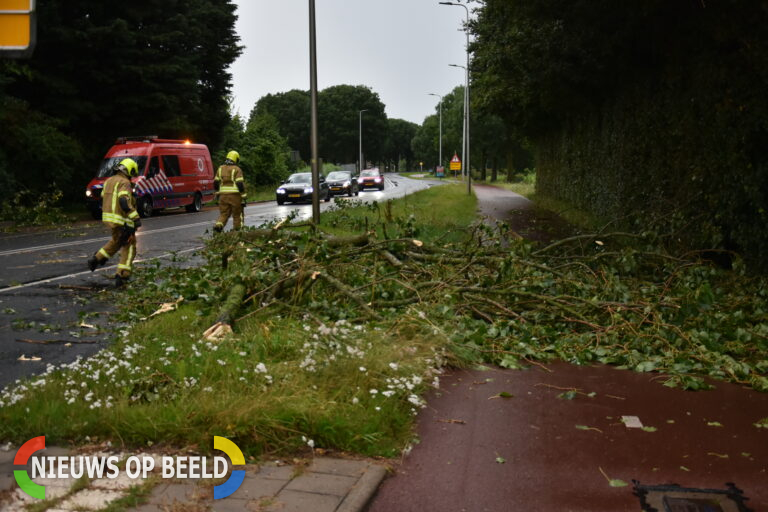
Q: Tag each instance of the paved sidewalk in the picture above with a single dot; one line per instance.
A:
(323, 485)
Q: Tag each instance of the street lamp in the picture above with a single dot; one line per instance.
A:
(313, 110)
(465, 129)
(360, 131)
(466, 100)
(440, 160)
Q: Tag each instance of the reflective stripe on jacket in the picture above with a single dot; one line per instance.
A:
(112, 213)
(228, 176)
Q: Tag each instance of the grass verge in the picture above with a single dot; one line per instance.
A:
(288, 381)
(261, 193)
(524, 189)
(337, 337)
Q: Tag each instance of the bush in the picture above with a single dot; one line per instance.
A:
(29, 208)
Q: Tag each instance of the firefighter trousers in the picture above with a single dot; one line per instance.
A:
(230, 205)
(127, 251)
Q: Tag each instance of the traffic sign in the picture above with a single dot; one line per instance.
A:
(17, 28)
(455, 163)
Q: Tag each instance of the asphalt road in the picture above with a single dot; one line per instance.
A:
(47, 292)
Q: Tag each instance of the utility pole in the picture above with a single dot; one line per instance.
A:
(466, 101)
(360, 131)
(313, 108)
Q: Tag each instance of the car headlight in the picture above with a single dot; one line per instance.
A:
(88, 193)
(347, 184)
(377, 180)
(281, 191)
(308, 190)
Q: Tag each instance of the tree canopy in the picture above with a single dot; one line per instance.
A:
(103, 69)
(653, 112)
(291, 110)
(398, 147)
(339, 123)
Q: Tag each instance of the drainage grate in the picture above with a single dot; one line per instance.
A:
(673, 498)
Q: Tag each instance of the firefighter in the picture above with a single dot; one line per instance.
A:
(120, 215)
(230, 187)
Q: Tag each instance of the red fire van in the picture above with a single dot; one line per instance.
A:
(172, 173)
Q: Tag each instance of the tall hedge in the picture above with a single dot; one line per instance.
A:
(654, 111)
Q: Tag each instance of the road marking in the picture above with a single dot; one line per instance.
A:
(76, 274)
(10, 252)
(23, 250)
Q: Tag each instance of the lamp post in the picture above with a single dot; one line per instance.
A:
(465, 129)
(440, 159)
(466, 100)
(360, 131)
(313, 109)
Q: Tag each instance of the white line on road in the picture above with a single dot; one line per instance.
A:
(72, 243)
(23, 250)
(76, 274)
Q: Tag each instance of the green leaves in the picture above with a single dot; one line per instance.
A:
(613, 482)
(511, 362)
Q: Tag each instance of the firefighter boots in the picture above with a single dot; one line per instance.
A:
(94, 262)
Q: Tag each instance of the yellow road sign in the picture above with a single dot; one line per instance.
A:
(17, 27)
(455, 164)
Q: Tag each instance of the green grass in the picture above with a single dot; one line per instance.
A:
(524, 189)
(282, 380)
(572, 215)
(316, 363)
(431, 214)
(262, 193)
(269, 386)
(526, 186)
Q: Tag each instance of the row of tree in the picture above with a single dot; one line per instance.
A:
(344, 111)
(107, 68)
(653, 111)
(104, 69)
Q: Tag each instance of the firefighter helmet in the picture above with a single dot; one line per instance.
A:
(234, 156)
(129, 167)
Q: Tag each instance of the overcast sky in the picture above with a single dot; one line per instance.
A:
(399, 48)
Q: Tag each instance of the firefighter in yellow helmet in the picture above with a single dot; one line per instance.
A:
(119, 214)
(230, 187)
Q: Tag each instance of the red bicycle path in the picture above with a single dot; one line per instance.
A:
(506, 440)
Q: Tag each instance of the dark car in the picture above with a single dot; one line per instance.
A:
(298, 188)
(371, 178)
(342, 182)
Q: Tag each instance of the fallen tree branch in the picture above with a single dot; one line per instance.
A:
(592, 236)
(52, 342)
(231, 304)
(391, 258)
(349, 293)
